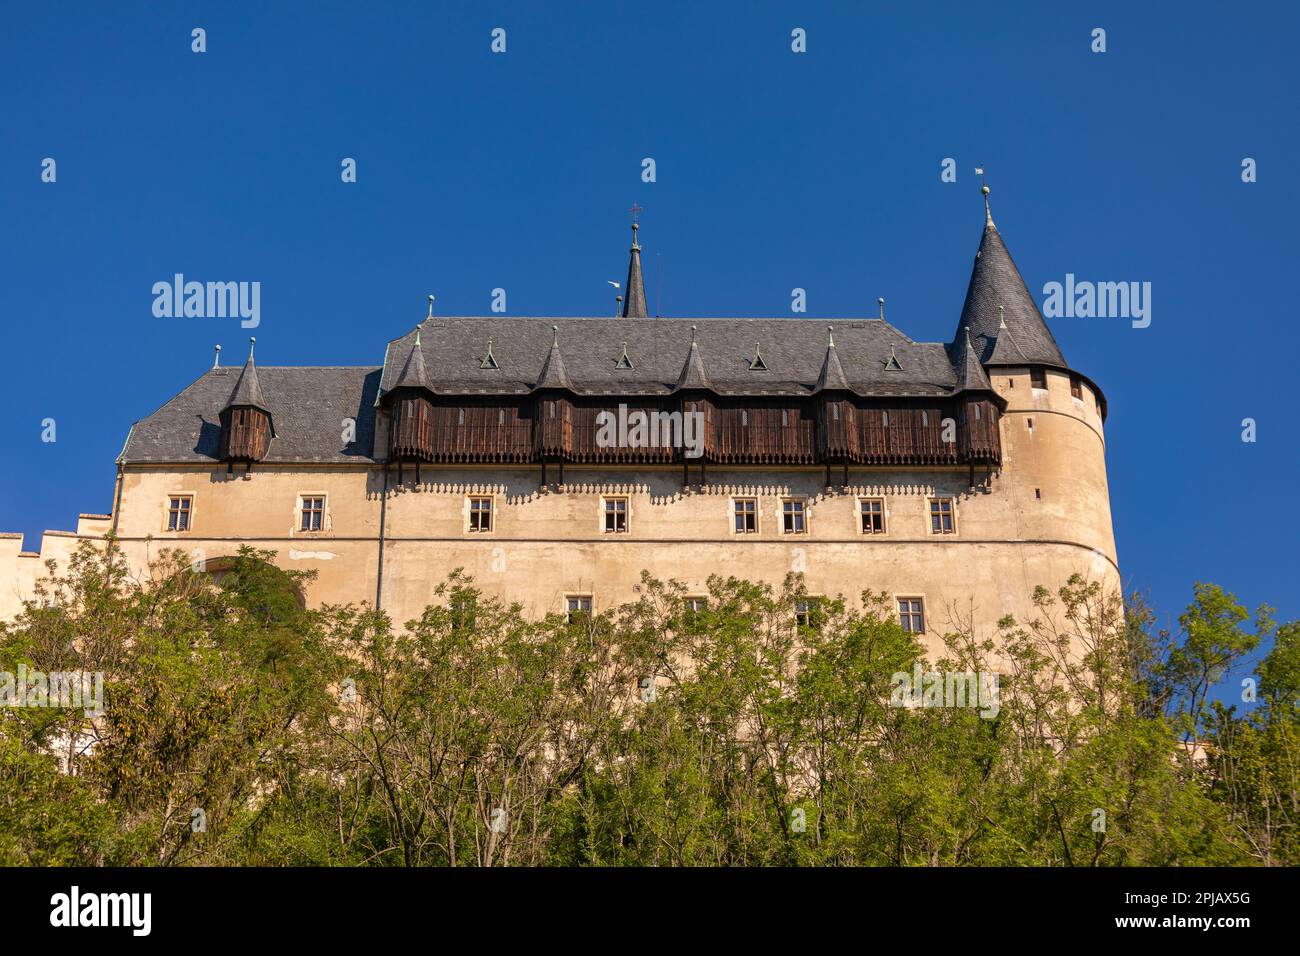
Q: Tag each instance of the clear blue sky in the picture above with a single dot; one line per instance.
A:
(775, 170)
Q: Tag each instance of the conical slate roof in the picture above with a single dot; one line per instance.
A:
(413, 374)
(970, 373)
(995, 281)
(553, 374)
(248, 389)
(832, 374)
(634, 303)
(693, 374)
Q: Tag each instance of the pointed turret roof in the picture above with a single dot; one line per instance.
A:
(247, 392)
(970, 373)
(553, 374)
(832, 374)
(413, 374)
(996, 282)
(693, 374)
(634, 303)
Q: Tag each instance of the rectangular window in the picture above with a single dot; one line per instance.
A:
(792, 516)
(615, 515)
(178, 514)
(911, 614)
(693, 607)
(1037, 378)
(1076, 388)
(313, 514)
(806, 613)
(578, 605)
(480, 515)
(873, 515)
(746, 512)
(941, 516)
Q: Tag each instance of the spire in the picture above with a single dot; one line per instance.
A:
(832, 374)
(693, 374)
(248, 388)
(553, 374)
(970, 373)
(413, 374)
(634, 302)
(999, 307)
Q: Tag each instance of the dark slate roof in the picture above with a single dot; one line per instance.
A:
(553, 374)
(995, 281)
(634, 301)
(970, 373)
(248, 389)
(832, 373)
(693, 374)
(792, 350)
(310, 405)
(413, 374)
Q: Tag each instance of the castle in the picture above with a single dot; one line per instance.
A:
(953, 476)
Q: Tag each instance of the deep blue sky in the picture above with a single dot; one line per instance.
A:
(775, 170)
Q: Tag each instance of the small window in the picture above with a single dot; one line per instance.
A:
(925, 419)
(1037, 378)
(501, 416)
(884, 419)
(792, 516)
(977, 413)
(313, 514)
(807, 613)
(693, 608)
(744, 416)
(746, 513)
(552, 409)
(785, 416)
(835, 411)
(873, 515)
(480, 514)
(460, 418)
(615, 516)
(911, 614)
(941, 516)
(1076, 388)
(578, 605)
(178, 513)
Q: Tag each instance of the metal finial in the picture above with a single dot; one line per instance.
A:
(830, 336)
(417, 336)
(216, 362)
(555, 336)
(692, 335)
(1002, 319)
(430, 305)
(252, 340)
(881, 300)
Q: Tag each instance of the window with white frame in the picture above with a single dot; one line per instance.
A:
(873, 515)
(178, 512)
(911, 614)
(312, 509)
(480, 514)
(615, 516)
(793, 516)
(941, 516)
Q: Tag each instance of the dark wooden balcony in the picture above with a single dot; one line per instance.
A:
(556, 428)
